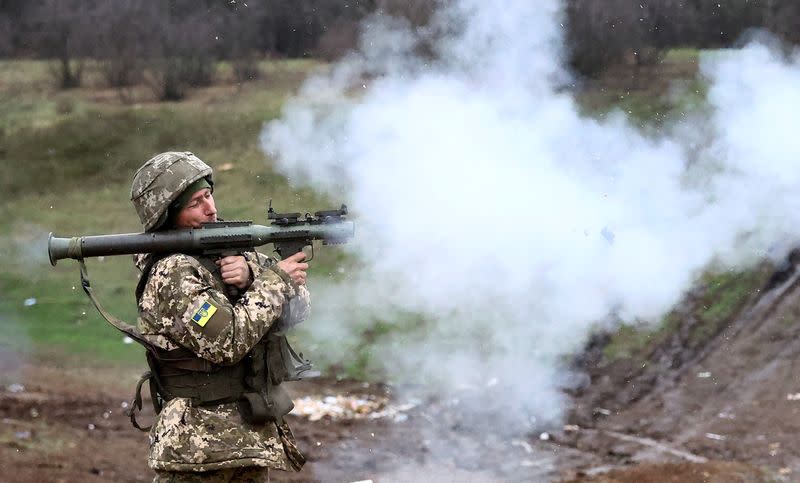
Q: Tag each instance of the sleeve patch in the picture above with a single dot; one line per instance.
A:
(203, 314)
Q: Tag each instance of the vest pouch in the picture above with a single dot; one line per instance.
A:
(283, 363)
(282, 403)
(253, 408)
(257, 408)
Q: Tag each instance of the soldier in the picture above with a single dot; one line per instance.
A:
(219, 403)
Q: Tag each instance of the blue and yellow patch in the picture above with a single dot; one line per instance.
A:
(203, 314)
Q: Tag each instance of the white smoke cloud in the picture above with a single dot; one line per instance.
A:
(515, 224)
(756, 95)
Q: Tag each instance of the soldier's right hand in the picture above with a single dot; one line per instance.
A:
(295, 267)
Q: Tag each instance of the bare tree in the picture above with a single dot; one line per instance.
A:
(6, 36)
(782, 17)
(417, 12)
(64, 31)
(340, 27)
(603, 32)
(669, 23)
(722, 22)
(15, 15)
(295, 29)
(127, 36)
(183, 57)
(174, 45)
(239, 35)
(339, 37)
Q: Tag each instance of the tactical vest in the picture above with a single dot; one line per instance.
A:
(254, 383)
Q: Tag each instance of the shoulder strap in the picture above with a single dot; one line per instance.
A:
(130, 330)
(121, 325)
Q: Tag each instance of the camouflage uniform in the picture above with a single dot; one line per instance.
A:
(188, 438)
(183, 305)
(239, 475)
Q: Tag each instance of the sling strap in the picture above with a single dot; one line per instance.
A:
(129, 330)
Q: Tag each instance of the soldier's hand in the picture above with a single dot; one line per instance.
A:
(295, 267)
(235, 271)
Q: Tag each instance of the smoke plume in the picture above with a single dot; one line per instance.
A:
(514, 224)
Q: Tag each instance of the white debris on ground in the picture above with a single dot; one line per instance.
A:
(793, 397)
(523, 444)
(15, 388)
(716, 437)
(350, 407)
(602, 411)
(30, 301)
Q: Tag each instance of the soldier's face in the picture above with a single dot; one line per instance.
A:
(199, 209)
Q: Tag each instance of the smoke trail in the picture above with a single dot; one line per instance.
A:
(23, 251)
(488, 203)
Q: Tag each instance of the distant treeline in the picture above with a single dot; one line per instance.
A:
(602, 32)
(174, 44)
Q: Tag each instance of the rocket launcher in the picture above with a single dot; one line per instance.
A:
(289, 233)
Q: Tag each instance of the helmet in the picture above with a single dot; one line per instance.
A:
(161, 180)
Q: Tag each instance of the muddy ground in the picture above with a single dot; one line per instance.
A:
(725, 410)
(61, 427)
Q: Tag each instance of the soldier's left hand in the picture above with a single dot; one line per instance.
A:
(235, 271)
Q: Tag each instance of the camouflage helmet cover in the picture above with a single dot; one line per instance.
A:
(161, 180)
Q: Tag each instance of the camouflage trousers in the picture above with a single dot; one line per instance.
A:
(230, 475)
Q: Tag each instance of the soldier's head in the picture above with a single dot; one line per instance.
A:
(173, 190)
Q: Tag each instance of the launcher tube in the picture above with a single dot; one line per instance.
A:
(210, 238)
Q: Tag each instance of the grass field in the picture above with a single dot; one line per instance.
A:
(67, 158)
(68, 170)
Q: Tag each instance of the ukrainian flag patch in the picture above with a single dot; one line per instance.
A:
(203, 314)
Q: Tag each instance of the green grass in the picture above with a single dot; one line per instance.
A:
(682, 55)
(61, 321)
(650, 95)
(628, 342)
(365, 359)
(28, 96)
(42, 439)
(725, 296)
(67, 158)
(722, 296)
(69, 172)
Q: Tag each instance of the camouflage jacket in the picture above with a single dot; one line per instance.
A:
(184, 305)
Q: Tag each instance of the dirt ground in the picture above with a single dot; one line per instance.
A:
(60, 427)
(725, 411)
(735, 398)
